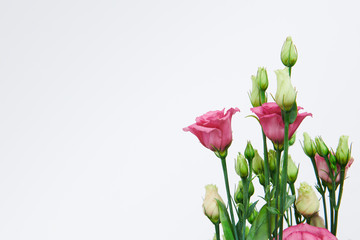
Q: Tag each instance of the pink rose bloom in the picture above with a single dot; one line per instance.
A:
(269, 115)
(213, 129)
(305, 231)
(323, 169)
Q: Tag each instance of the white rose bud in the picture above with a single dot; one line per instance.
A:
(307, 202)
(255, 93)
(210, 206)
(289, 53)
(285, 95)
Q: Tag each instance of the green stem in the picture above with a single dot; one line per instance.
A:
(297, 215)
(223, 163)
(323, 190)
(332, 194)
(342, 177)
(217, 230)
(267, 180)
(277, 187)
(284, 171)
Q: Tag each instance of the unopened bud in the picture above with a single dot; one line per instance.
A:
(272, 160)
(252, 216)
(241, 166)
(342, 151)
(258, 164)
(292, 170)
(289, 53)
(285, 96)
(307, 202)
(261, 179)
(321, 147)
(210, 206)
(262, 79)
(332, 160)
(317, 221)
(249, 151)
(255, 93)
(239, 195)
(309, 146)
(292, 139)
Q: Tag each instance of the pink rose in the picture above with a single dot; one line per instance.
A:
(323, 169)
(305, 231)
(213, 129)
(269, 115)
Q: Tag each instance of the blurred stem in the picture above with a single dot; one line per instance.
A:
(223, 163)
(296, 213)
(284, 171)
(277, 186)
(217, 230)
(342, 178)
(267, 180)
(332, 194)
(246, 182)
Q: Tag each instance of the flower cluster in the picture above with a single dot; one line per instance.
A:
(274, 168)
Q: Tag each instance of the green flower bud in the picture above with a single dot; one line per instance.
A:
(317, 221)
(332, 160)
(239, 195)
(249, 151)
(210, 206)
(285, 96)
(289, 53)
(272, 160)
(342, 151)
(252, 216)
(262, 78)
(258, 164)
(292, 139)
(241, 166)
(251, 189)
(321, 147)
(255, 93)
(307, 202)
(261, 179)
(292, 170)
(309, 146)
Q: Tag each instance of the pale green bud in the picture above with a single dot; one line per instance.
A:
(239, 193)
(321, 147)
(258, 164)
(289, 53)
(253, 216)
(255, 93)
(261, 178)
(309, 146)
(241, 166)
(317, 221)
(249, 151)
(292, 139)
(210, 206)
(333, 162)
(272, 160)
(307, 202)
(285, 96)
(292, 170)
(262, 78)
(342, 151)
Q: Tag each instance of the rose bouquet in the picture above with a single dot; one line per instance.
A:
(285, 214)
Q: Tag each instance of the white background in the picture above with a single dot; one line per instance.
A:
(94, 96)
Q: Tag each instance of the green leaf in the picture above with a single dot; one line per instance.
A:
(293, 113)
(289, 200)
(251, 209)
(225, 221)
(273, 210)
(259, 229)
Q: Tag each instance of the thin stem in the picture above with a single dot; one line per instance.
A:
(342, 177)
(284, 171)
(297, 215)
(277, 186)
(223, 163)
(217, 230)
(267, 181)
(332, 194)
